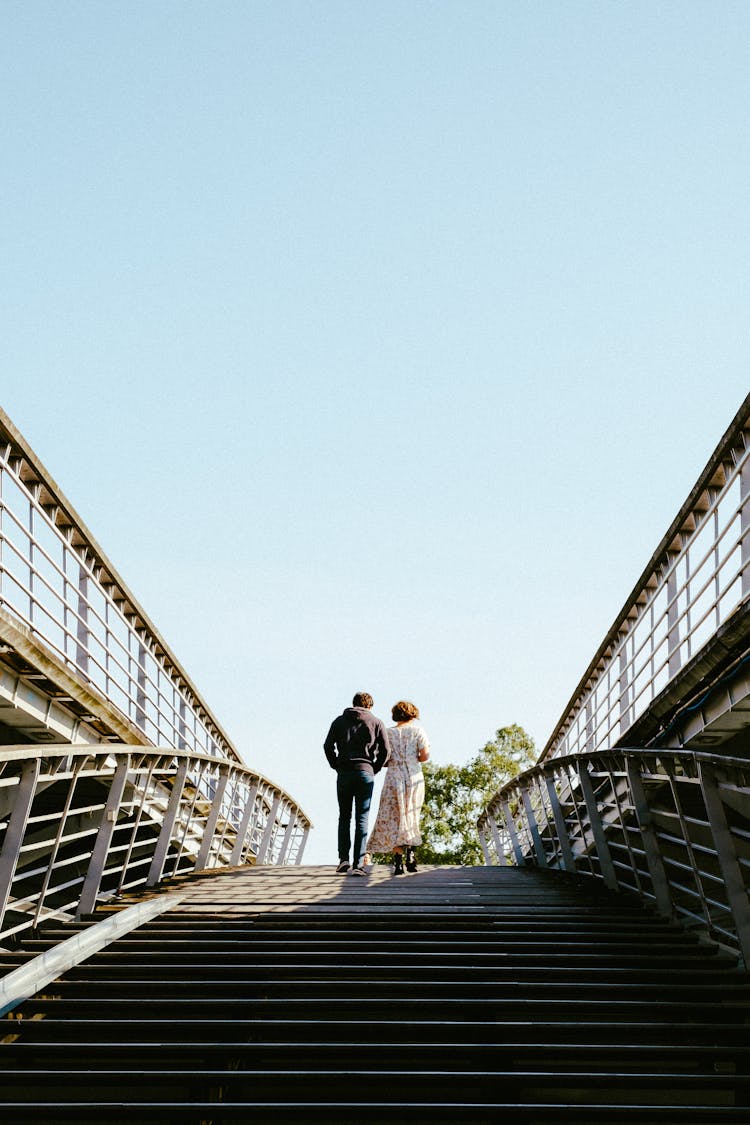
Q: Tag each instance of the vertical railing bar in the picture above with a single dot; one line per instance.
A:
(502, 857)
(512, 831)
(14, 833)
(624, 827)
(597, 829)
(685, 829)
(170, 815)
(541, 855)
(58, 837)
(107, 826)
(483, 846)
(188, 814)
(230, 803)
(302, 845)
(658, 874)
(249, 811)
(727, 855)
(265, 842)
(576, 800)
(547, 827)
(745, 525)
(136, 822)
(566, 851)
(30, 560)
(213, 818)
(288, 833)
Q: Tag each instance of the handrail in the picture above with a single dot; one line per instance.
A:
(56, 581)
(672, 826)
(696, 580)
(81, 823)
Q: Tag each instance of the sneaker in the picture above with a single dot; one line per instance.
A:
(342, 868)
(358, 871)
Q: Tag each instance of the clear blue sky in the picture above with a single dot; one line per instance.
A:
(378, 344)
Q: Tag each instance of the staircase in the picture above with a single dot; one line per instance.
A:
(454, 995)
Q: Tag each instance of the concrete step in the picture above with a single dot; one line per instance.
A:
(115, 969)
(385, 1084)
(474, 984)
(167, 1026)
(478, 996)
(372, 1112)
(614, 1055)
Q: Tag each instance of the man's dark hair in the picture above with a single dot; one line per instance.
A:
(362, 699)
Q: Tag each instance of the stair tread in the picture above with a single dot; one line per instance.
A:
(482, 984)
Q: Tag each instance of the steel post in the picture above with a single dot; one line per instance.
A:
(745, 527)
(597, 829)
(245, 826)
(170, 816)
(541, 855)
(265, 843)
(515, 842)
(655, 863)
(14, 833)
(483, 845)
(98, 860)
(302, 843)
(568, 863)
(502, 858)
(727, 854)
(213, 820)
(289, 832)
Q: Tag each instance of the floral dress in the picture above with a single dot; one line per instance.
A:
(401, 800)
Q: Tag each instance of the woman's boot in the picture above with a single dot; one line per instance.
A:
(411, 859)
(398, 863)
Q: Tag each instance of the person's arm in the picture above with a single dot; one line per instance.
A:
(330, 747)
(382, 748)
(423, 747)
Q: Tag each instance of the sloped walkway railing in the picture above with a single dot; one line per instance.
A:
(695, 584)
(673, 826)
(59, 586)
(78, 823)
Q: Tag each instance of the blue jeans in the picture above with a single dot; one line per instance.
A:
(354, 786)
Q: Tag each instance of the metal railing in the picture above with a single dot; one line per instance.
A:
(693, 584)
(56, 581)
(82, 823)
(672, 826)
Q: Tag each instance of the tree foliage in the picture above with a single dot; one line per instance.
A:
(455, 796)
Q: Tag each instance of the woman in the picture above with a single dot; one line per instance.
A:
(396, 827)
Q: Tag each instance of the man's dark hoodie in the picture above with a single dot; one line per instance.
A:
(357, 740)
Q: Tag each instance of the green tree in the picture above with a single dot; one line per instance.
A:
(455, 796)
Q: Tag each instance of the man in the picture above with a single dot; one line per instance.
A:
(357, 748)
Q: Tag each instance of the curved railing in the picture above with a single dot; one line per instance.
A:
(150, 783)
(83, 823)
(672, 826)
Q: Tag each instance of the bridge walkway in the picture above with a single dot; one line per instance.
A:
(457, 994)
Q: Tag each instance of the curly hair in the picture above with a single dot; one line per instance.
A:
(362, 699)
(403, 711)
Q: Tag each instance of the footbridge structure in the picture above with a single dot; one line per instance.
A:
(645, 781)
(164, 957)
(114, 773)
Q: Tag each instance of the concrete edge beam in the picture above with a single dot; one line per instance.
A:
(22, 983)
